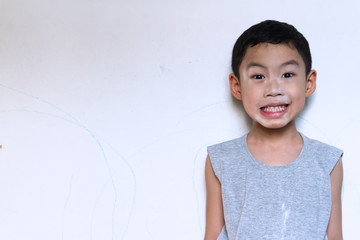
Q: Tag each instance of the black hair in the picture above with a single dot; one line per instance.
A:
(270, 31)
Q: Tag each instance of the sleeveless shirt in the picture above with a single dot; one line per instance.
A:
(260, 201)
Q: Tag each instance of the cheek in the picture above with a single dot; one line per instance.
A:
(297, 91)
(250, 103)
(298, 98)
(247, 97)
(251, 91)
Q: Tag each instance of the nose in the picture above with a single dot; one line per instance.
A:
(273, 87)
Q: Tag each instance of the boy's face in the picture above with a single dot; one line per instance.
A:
(273, 84)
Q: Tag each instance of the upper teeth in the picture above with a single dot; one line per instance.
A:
(274, 109)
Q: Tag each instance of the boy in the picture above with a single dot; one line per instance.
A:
(274, 182)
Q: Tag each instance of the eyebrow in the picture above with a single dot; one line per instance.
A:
(255, 64)
(291, 62)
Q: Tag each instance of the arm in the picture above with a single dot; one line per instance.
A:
(214, 208)
(334, 229)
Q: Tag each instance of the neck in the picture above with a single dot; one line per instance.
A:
(273, 135)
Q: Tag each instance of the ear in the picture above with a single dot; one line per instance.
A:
(310, 83)
(235, 86)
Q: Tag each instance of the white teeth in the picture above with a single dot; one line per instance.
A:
(274, 109)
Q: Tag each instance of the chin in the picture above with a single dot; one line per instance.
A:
(276, 125)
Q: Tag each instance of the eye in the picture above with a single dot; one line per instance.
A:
(287, 75)
(258, 76)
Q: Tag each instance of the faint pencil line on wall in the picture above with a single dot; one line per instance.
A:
(135, 187)
(196, 191)
(76, 122)
(64, 209)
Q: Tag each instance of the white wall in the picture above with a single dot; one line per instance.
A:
(106, 109)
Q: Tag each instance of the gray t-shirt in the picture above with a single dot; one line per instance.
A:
(274, 202)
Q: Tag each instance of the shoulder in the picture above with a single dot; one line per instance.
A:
(324, 154)
(226, 146)
(225, 155)
(320, 146)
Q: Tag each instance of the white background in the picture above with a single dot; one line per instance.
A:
(106, 109)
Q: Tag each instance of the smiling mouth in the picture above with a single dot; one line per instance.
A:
(273, 109)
